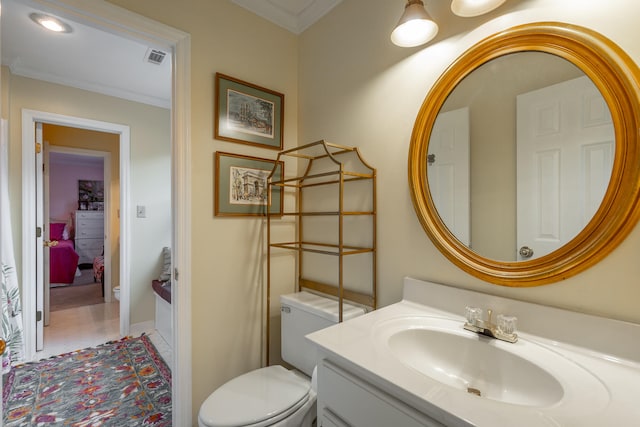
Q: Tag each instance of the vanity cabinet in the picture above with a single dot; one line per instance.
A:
(89, 235)
(345, 399)
(334, 234)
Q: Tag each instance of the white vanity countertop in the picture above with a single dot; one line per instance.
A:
(611, 398)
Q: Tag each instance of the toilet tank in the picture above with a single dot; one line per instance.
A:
(303, 313)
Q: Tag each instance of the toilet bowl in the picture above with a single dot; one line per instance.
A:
(271, 396)
(275, 396)
(116, 292)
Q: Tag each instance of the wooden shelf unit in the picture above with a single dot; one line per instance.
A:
(327, 165)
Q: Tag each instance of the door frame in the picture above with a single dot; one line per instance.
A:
(29, 120)
(125, 23)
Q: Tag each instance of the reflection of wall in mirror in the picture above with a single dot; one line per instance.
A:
(490, 92)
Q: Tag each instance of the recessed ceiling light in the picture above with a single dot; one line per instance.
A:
(50, 23)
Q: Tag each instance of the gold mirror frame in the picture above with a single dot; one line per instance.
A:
(616, 76)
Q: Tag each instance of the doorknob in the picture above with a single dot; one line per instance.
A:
(526, 252)
(3, 346)
(50, 243)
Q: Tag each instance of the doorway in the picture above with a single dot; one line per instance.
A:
(130, 25)
(32, 244)
(77, 198)
(81, 174)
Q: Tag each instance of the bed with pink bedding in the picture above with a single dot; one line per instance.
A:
(63, 258)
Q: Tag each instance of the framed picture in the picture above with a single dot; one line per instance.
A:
(241, 185)
(248, 114)
(90, 195)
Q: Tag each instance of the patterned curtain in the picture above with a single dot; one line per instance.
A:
(11, 319)
(9, 291)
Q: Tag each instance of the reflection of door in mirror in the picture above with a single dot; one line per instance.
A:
(448, 171)
(565, 145)
(490, 93)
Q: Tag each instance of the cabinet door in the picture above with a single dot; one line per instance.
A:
(329, 419)
(343, 396)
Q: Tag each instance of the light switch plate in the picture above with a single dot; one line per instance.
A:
(141, 211)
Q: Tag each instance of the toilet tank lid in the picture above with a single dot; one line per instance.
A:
(321, 306)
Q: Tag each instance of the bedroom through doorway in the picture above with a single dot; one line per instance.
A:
(80, 196)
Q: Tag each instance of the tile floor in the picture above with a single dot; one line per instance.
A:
(89, 326)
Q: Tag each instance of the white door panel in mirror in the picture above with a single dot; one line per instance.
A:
(565, 155)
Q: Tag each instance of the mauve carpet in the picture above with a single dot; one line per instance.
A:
(122, 383)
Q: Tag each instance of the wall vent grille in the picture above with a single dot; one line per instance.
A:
(155, 56)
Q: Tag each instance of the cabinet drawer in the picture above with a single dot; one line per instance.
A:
(358, 403)
(89, 244)
(92, 230)
(98, 215)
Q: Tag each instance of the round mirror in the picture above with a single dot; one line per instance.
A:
(522, 159)
(527, 140)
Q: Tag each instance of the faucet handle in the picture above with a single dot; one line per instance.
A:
(507, 324)
(473, 314)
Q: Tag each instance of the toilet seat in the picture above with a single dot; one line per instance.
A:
(258, 398)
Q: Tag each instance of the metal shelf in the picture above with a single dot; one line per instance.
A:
(330, 249)
(327, 213)
(327, 164)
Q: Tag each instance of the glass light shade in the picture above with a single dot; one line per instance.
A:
(50, 23)
(415, 26)
(469, 8)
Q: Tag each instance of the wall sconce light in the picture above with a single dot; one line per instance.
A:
(50, 23)
(416, 27)
(469, 8)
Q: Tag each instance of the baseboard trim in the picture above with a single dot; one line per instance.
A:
(142, 327)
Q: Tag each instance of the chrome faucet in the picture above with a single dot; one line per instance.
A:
(504, 330)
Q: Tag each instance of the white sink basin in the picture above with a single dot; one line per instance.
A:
(566, 369)
(472, 364)
(521, 373)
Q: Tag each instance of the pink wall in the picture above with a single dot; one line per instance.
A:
(63, 186)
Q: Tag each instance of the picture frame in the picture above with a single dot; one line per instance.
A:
(90, 195)
(241, 187)
(248, 114)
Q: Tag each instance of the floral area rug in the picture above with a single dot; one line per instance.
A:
(121, 383)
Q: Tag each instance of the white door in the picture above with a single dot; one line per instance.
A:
(565, 146)
(40, 240)
(46, 285)
(448, 171)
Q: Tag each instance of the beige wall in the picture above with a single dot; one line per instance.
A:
(358, 88)
(227, 253)
(4, 92)
(150, 172)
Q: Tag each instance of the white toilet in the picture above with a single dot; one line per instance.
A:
(274, 396)
(116, 292)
